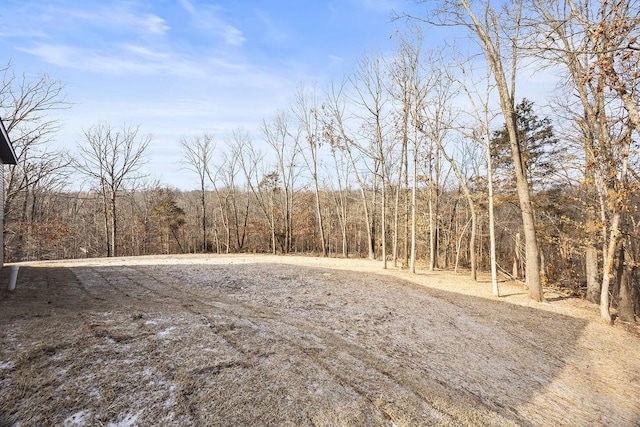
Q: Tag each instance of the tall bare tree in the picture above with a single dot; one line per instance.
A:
(498, 33)
(197, 155)
(597, 44)
(404, 70)
(370, 95)
(284, 140)
(612, 34)
(437, 119)
(336, 130)
(479, 96)
(306, 111)
(27, 104)
(262, 182)
(340, 189)
(111, 158)
(239, 201)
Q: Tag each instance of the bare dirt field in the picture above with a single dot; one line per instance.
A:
(295, 341)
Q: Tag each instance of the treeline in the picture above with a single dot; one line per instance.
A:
(420, 156)
(165, 221)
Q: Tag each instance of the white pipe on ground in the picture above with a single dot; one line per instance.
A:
(13, 277)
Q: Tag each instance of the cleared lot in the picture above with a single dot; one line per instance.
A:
(246, 340)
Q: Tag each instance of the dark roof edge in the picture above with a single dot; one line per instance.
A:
(7, 155)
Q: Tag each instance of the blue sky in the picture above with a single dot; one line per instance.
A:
(179, 68)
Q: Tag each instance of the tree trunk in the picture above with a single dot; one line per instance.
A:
(204, 217)
(474, 216)
(626, 304)
(543, 273)
(591, 252)
(472, 245)
(591, 267)
(368, 224)
(19, 250)
(492, 228)
(323, 239)
(273, 227)
(516, 258)
(531, 241)
(609, 261)
(433, 237)
(459, 246)
(433, 210)
(407, 207)
(383, 220)
(365, 206)
(396, 223)
(114, 225)
(396, 212)
(414, 190)
(107, 236)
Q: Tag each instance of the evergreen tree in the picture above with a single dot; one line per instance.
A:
(538, 144)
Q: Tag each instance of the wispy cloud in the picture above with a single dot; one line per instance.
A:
(208, 20)
(126, 59)
(232, 35)
(335, 60)
(120, 17)
(145, 52)
(110, 16)
(151, 23)
(135, 60)
(59, 55)
(188, 6)
(7, 32)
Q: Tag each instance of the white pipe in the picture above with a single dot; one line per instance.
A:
(13, 277)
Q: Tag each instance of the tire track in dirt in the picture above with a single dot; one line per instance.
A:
(102, 285)
(237, 313)
(515, 373)
(335, 348)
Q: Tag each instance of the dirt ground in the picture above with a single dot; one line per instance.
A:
(299, 341)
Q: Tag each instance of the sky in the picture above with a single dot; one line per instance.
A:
(179, 68)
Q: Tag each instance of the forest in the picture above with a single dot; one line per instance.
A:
(425, 157)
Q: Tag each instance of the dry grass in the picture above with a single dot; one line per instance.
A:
(245, 340)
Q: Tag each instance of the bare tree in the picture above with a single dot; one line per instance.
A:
(285, 142)
(197, 155)
(597, 44)
(26, 104)
(612, 35)
(405, 76)
(436, 120)
(239, 200)
(337, 132)
(498, 34)
(262, 183)
(482, 115)
(341, 173)
(306, 112)
(111, 158)
(409, 87)
(371, 97)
